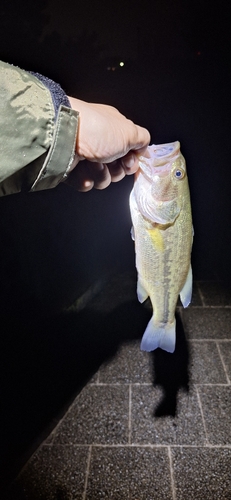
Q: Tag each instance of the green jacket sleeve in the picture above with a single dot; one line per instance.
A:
(36, 148)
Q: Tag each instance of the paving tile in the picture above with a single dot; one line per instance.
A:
(202, 473)
(207, 323)
(52, 473)
(196, 295)
(122, 464)
(216, 406)
(215, 293)
(98, 415)
(205, 363)
(185, 428)
(130, 365)
(225, 349)
(129, 473)
(94, 379)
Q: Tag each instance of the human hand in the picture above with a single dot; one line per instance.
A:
(107, 148)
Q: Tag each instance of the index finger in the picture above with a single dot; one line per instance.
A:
(140, 139)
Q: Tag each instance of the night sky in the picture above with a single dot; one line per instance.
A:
(174, 27)
(121, 26)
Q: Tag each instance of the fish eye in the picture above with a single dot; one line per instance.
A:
(179, 173)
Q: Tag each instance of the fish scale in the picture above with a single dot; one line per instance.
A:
(162, 229)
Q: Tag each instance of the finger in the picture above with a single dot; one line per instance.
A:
(81, 178)
(143, 152)
(100, 175)
(88, 175)
(116, 171)
(130, 161)
(141, 138)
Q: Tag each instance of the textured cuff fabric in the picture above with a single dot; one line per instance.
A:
(58, 95)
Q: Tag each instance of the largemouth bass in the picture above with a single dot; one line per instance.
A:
(162, 231)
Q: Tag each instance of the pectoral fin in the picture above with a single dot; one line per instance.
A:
(159, 336)
(132, 233)
(141, 292)
(186, 292)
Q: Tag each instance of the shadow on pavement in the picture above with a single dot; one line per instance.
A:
(46, 362)
(170, 371)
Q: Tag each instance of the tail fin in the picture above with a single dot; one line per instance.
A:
(159, 336)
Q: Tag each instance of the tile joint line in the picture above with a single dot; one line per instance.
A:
(171, 474)
(87, 472)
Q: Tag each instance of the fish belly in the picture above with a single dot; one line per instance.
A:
(164, 271)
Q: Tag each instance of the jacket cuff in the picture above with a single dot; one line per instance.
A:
(58, 95)
(61, 153)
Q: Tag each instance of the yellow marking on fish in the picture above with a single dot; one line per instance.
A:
(157, 239)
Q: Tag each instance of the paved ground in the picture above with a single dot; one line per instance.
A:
(146, 426)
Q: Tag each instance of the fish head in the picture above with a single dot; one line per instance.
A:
(161, 183)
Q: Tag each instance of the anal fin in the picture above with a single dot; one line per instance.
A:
(186, 292)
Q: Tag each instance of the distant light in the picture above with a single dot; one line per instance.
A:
(121, 64)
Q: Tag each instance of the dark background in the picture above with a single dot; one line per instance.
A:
(175, 81)
(55, 244)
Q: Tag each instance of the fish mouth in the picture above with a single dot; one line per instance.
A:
(159, 159)
(161, 152)
(156, 190)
